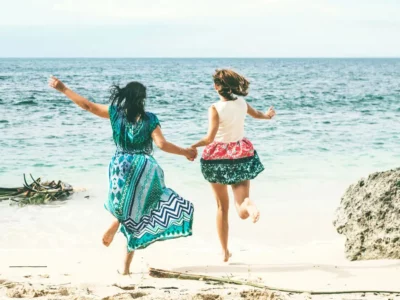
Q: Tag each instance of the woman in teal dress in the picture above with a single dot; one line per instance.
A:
(144, 209)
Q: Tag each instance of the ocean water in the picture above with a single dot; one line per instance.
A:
(337, 120)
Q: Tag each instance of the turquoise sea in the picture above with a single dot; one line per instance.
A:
(337, 120)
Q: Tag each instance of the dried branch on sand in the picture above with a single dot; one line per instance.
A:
(37, 192)
(159, 273)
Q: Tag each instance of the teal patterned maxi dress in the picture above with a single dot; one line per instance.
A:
(138, 198)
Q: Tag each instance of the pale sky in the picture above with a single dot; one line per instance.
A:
(200, 28)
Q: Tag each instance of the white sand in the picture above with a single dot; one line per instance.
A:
(294, 247)
(318, 267)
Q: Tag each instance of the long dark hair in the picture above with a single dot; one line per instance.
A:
(130, 100)
(230, 83)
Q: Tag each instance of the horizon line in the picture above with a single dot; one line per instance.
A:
(204, 57)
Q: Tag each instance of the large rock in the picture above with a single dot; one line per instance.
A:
(369, 217)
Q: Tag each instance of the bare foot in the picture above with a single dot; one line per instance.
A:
(252, 209)
(227, 255)
(110, 233)
(124, 273)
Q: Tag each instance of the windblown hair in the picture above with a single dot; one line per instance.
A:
(130, 100)
(229, 83)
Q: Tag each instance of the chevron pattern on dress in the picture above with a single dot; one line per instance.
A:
(172, 212)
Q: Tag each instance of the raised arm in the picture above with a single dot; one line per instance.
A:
(256, 114)
(99, 110)
(168, 147)
(213, 125)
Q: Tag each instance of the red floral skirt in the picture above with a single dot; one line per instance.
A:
(230, 163)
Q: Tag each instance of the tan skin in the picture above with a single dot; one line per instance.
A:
(245, 207)
(101, 110)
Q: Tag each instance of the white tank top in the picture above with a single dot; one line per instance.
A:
(231, 120)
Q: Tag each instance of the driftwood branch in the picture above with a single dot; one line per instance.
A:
(159, 273)
(36, 192)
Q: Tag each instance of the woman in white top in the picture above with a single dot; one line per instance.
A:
(229, 158)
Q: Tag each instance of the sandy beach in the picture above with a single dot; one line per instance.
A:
(55, 252)
(92, 273)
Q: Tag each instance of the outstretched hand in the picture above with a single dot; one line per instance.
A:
(57, 84)
(191, 153)
(270, 113)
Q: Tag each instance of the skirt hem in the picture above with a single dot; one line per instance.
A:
(160, 238)
(231, 171)
(244, 178)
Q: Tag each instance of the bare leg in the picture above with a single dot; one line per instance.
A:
(110, 233)
(244, 206)
(127, 262)
(222, 197)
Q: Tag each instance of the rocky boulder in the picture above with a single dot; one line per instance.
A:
(369, 217)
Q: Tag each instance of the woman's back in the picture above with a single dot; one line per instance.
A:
(132, 137)
(231, 120)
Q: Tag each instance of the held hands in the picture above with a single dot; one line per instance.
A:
(57, 84)
(191, 153)
(270, 113)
